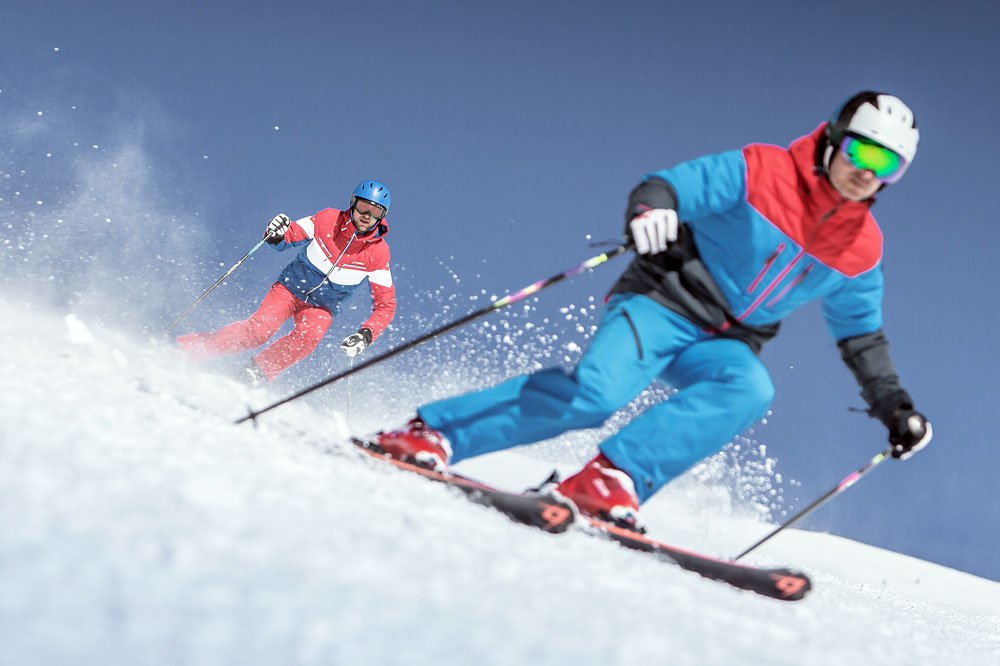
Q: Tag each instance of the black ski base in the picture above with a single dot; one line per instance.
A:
(534, 509)
(554, 515)
(783, 584)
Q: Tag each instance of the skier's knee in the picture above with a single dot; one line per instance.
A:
(257, 331)
(321, 320)
(314, 323)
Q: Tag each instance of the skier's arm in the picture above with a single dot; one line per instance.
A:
(854, 316)
(867, 356)
(849, 312)
(690, 190)
(856, 308)
(383, 301)
(699, 187)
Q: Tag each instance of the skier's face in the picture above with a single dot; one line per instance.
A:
(854, 184)
(366, 215)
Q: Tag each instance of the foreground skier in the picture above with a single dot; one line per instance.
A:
(764, 231)
(341, 250)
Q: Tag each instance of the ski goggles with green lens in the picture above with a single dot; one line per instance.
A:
(862, 153)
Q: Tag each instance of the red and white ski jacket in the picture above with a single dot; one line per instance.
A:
(335, 260)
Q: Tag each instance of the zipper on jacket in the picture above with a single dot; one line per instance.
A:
(333, 267)
(774, 283)
(822, 220)
(767, 266)
(635, 332)
(784, 272)
(791, 285)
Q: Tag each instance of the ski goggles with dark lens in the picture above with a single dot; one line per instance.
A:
(374, 211)
(887, 166)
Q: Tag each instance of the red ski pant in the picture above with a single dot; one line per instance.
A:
(279, 304)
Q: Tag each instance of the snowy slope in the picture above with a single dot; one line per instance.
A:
(138, 525)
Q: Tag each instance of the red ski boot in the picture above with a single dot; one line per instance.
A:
(603, 491)
(418, 444)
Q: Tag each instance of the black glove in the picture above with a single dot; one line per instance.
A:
(909, 431)
(355, 343)
(276, 228)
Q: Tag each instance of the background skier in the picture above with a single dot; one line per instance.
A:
(728, 245)
(340, 250)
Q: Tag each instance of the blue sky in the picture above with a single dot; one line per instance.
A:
(510, 134)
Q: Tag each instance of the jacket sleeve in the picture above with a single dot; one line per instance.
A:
(868, 358)
(706, 185)
(299, 233)
(854, 317)
(856, 308)
(653, 192)
(383, 298)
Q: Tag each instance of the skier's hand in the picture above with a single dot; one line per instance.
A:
(652, 230)
(909, 431)
(276, 228)
(355, 343)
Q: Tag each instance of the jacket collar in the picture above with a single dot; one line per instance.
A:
(814, 180)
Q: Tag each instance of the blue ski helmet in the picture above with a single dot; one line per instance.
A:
(375, 192)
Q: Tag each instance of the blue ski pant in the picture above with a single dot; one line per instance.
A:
(722, 389)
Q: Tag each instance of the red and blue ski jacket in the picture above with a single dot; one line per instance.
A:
(763, 234)
(334, 261)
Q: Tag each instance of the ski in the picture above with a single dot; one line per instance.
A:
(556, 516)
(780, 583)
(541, 511)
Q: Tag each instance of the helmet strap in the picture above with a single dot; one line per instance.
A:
(827, 156)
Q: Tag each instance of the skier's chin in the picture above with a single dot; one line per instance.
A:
(854, 190)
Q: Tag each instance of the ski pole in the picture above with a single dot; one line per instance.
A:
(847, 482)
(350, 394)
(217, 283)
(509, 299)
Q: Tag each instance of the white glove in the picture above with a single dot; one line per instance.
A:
(355, 343)
(653, 230)
(276, 228)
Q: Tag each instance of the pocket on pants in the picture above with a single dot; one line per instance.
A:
(635, 332)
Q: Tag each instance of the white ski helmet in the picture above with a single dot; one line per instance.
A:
(881, 117)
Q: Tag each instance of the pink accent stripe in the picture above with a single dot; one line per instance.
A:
(774, 283)
(849, 481)
(767, 265)
(791, 285)
(781, 294)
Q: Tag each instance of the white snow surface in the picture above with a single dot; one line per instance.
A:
(139, 525)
